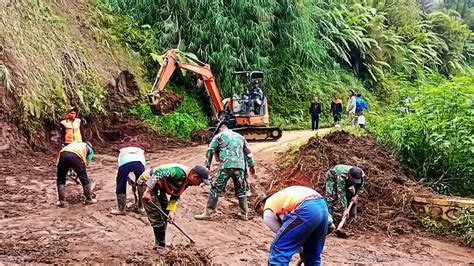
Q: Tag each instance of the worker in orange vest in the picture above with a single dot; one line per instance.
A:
(299, 217)
(76, 156)
(70, 128)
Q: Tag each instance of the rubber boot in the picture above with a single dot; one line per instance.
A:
(121, 205)
(140, 207)
(160, 238)
(210, 209)
(244, 208)
(62, 196)
(88, 194)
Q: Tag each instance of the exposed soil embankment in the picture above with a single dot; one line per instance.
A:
(385, 205)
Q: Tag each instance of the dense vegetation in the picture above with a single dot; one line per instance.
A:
(432, 129)
(308, 47)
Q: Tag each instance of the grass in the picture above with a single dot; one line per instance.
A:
(56, 71)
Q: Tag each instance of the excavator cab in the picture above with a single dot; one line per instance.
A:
(248, 108)
(249, 100)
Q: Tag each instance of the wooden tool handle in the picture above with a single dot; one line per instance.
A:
(344, 218)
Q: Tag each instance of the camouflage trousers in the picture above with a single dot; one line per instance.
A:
(159, 198)
(237, 175)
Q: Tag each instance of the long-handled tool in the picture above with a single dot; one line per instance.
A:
(179, 228)
(339, 232)
(71, 174)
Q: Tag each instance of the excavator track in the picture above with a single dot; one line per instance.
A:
(259, 133)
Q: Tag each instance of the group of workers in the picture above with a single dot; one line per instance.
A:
(300, 216)
(356, 106)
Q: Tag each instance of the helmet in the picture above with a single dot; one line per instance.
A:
(260, 199)
(356, 175)
(203, 173)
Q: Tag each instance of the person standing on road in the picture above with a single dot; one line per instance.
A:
(336, 109)
(344, 183)
(77, 156)
(315, 111)
(130, 160)
(351, 107)
(233, 154)
(299, 217)
(70, 129)
(154, 184)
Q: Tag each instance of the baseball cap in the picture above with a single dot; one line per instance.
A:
(356, 175)
(203, 173)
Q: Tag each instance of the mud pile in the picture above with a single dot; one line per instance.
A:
(166, 102)
(177, 255)
(385, 205)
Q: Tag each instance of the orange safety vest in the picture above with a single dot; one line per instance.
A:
(79, 148)
(73, 130)
(288, 199)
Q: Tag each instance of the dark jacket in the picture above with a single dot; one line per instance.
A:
(315, 109)
(336, 107)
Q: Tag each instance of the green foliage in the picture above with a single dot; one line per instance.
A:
(56, 71)
(181, 123)
(117, 31)
(435, 138)
(463, 226)
(5, 77)
(383, 39)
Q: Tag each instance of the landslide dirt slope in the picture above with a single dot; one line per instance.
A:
(385, 205)
(33, 229)
(52, 56)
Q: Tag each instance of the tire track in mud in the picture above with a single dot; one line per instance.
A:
(41, 232)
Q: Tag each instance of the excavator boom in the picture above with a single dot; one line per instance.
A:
(170, 63)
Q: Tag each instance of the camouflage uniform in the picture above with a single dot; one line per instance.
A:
(339, 189)
(233, 154)
(165, 179)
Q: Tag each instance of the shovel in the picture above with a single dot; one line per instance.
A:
(179, 228)
(339, 232)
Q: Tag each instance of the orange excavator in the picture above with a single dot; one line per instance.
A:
(246, 114)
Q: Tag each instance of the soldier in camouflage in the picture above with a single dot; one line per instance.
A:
(344, 183)
(172, 179)
(233, 154)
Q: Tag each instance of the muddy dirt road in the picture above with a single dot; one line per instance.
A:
(33, 229)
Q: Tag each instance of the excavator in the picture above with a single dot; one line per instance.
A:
(244, 114)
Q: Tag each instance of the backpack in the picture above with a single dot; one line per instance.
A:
(361, 104)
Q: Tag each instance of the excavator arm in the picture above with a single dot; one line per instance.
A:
(170, 63)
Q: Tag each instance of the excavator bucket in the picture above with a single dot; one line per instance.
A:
(164, 102)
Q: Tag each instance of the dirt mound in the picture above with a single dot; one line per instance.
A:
(166, 102)
(201, 136)
(385, 205)
(175, 255)
(111, 136)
